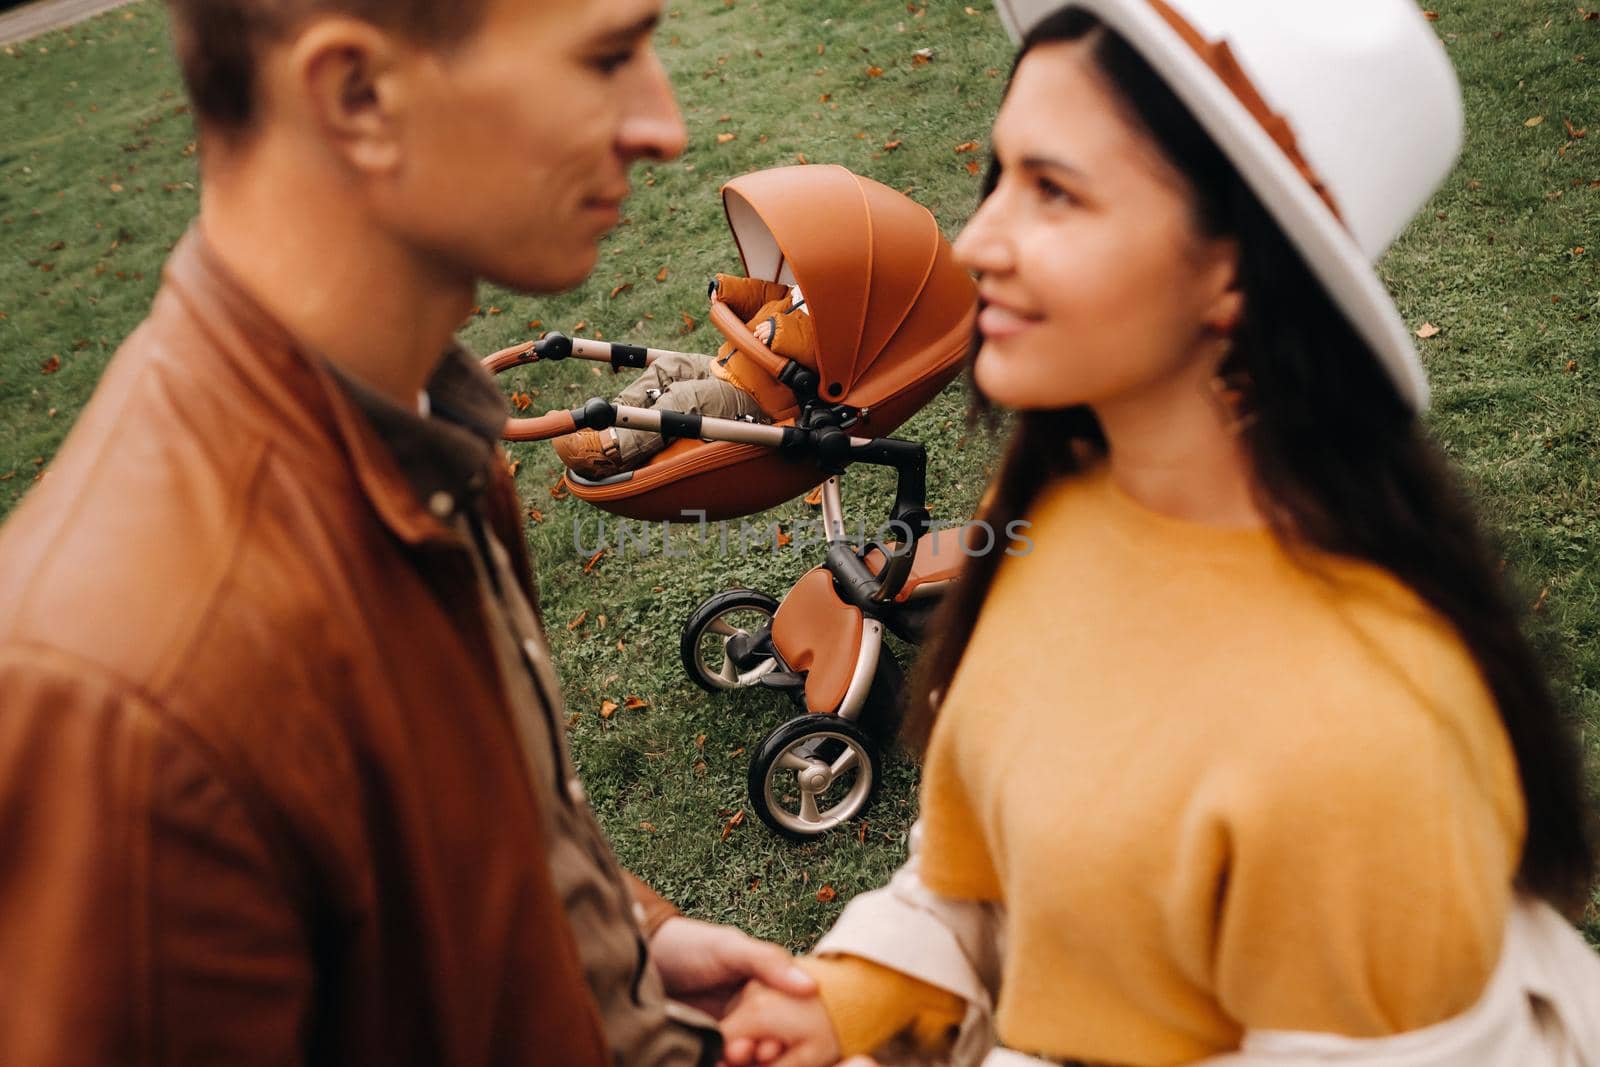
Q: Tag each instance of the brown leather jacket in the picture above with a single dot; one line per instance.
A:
(260, 801)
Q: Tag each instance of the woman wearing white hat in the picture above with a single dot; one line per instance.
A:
(1249, 750)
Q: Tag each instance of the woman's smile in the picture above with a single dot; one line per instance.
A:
(997, 322)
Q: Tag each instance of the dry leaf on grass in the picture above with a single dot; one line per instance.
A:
(733, 823)
(619, 290)
(594, 561)
(635, 703)
(51, 365)
(608, 708)
(826, 894)
(661, 275)
(724, 138)
(1427, 330)
(575, 623)
(1536, 120)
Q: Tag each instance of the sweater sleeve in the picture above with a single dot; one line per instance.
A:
(1368, 883)
(870, 1004)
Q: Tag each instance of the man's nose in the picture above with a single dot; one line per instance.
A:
(653, 127)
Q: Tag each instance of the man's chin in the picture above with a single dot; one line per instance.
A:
(552, 275)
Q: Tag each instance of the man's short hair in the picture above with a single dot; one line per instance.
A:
(219, 42)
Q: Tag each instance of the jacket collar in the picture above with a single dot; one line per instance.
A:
(291, 393)
(444, 444)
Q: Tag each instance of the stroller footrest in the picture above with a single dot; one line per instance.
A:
(783, 680)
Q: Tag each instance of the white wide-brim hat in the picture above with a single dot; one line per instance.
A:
(1364, 96)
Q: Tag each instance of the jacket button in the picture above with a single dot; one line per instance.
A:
(442, 504)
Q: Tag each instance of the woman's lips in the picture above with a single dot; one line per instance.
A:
(997, 322)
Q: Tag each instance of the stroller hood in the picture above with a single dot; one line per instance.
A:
(877, 274)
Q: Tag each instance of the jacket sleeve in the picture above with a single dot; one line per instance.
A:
(140, 918)
(652, 908)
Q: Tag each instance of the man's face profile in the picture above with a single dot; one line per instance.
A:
(503, 155)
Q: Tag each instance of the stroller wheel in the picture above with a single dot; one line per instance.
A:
(812, 774)
(726, 641)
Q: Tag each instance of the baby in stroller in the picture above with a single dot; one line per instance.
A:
(700, 385)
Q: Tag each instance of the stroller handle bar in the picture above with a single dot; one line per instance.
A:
(833, 449)
(555, 346)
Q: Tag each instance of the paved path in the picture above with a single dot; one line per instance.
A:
(30, 20)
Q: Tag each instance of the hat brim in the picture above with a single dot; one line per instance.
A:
(1329, 250)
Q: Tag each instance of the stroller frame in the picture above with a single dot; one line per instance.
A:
(851, 698)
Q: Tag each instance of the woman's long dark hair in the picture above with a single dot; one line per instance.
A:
(1341, 463)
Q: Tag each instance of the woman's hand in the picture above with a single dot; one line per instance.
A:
(770, 1028)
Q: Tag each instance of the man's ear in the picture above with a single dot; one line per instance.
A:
(351, 77)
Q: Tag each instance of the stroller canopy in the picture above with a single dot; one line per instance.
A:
(893, 314)
(863, 254)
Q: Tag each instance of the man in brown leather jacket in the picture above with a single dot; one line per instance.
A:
(282, 775)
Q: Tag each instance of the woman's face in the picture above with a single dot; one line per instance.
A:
(1097, 286)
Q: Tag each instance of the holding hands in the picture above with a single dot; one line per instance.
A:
(768, 1027)
(775, 1020)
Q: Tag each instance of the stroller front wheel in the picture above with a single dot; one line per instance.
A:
(813, 773)
(727, 640)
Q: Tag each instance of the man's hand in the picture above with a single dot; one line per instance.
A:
(705, 966)
(767, 1028)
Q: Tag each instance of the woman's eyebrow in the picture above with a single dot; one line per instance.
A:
(1036, 162)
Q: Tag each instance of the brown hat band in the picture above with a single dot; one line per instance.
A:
(1220, 58)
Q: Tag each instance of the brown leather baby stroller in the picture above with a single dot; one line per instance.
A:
(893, 314)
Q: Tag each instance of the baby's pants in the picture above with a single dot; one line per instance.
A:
(682, 383)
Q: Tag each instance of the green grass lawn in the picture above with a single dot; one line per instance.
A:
(97, 180)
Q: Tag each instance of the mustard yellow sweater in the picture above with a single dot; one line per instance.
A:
(1215, 788)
